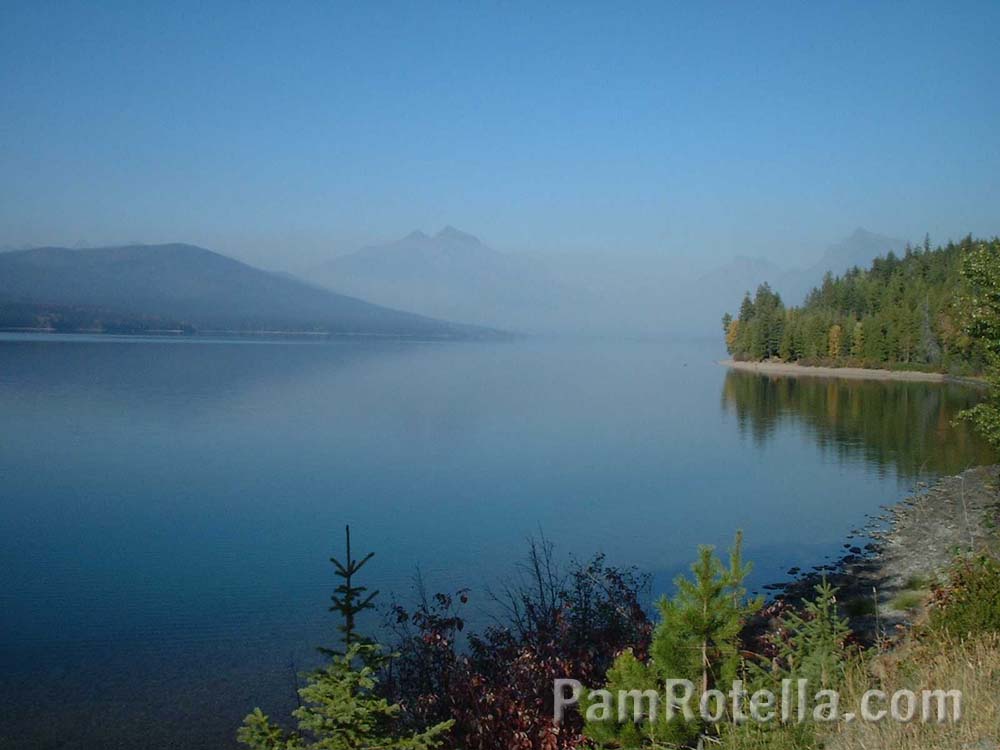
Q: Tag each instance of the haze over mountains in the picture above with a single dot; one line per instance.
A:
(744, 274)
(149, 287)
(454, 275)
(441, 285)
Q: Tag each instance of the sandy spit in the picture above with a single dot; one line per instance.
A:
(852, 373)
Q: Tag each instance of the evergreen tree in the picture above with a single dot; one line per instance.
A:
(981, 271)
(786, 349)
(930, 348)
(340, 709)
(811, 646)
(758, 338)
(697, 639)
(815, 649)
(858, 340)
(349, 600)
(776, 330)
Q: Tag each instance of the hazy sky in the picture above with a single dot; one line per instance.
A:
(284, 132)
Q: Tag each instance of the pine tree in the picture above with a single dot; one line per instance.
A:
(786, 349)
(339, 711)
(815, 649)
(339, 707)
(858, 340)
(758, 337)
(812, 647)
(697, 639)
(776, 330)
(930, 349)
(349, 600)
(698, 629)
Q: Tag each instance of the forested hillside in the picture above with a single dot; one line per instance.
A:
(907, 312)
(183, 288)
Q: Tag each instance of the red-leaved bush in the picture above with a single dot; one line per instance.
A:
(497, 685)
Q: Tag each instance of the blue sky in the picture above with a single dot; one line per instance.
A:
(284, 132)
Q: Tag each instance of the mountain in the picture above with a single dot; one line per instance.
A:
(736, 277)
(744, 274)
(859, 249)
(454, 275)
(144, 287)
(702, 298)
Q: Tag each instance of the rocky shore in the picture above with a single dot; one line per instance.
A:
(890, 564)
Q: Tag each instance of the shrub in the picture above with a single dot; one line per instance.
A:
(969, 603)
(498, 690)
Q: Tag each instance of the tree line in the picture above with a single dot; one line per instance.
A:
(908, 312)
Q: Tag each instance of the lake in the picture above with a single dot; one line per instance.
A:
(169, 506)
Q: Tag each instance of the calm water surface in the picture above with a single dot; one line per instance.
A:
(167, 508)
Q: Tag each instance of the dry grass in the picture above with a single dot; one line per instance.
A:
(972, 666)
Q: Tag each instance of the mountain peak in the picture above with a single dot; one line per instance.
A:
(416, 234)
(862, 246)
(450, 233)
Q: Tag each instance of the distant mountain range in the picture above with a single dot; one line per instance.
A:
(745, 274)
(152, 287)
(455, 276)
(448, 276)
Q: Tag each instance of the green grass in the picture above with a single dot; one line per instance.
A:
(917, 583)
(907, 601)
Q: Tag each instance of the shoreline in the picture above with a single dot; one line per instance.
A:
(794, 369)
(902, 552)
(262, 335)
